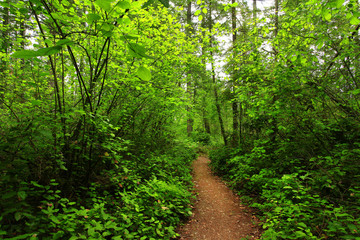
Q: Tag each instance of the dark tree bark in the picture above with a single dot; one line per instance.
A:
(235, 110)
(190, 120)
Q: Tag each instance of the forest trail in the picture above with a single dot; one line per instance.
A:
(218, 213)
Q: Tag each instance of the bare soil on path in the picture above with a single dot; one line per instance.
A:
(218, 212)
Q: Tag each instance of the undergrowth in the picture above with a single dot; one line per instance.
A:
(138, 198)
(316, 198)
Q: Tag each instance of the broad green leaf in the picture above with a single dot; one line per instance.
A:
(25, 54)
(339, 3)
(197, 12)
(64, 42)
(354, 21)
(104, 4)
(200, 17)
(48, 51)
(198, 2)
(124, 4)
(144, 73)
(165, 3)
(41, 52)
(137, 50)
(23, 10)
(91, 17)
(106, 27)
(124, 21)
(204, 10)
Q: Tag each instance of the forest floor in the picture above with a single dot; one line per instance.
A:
(218, 212)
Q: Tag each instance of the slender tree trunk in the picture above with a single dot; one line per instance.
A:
(190, 120)
(206, 121)
(275, 98)
(240, 123)
(217, 104)
(235, 133)
(276, 30)
(218, 109)
(205, 85)
(254, 11)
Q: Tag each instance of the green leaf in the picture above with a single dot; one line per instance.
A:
(200, 17)
(41, 52)
(64, 42)
(124, 4)
(197, 12)
(54, 219)
(91, 17)
(339, 3)
(148, 3)
(144, 73)
(327, 16)
(4, 4)
(58, 235)
(17, 216)
(300, 234)
(205, 10)
(303, 225)
(137, 50)
(106, 27)
(159, 232)
(354, 21)
(48, 51)
(25, 54)
(165, 3)
(129, 37)
(104, 4)
(22, 195)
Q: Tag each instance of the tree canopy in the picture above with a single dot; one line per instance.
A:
(104, 103)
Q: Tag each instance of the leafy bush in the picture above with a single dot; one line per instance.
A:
(201, 137)
(143, 198)
(219, 158)
(316, 200)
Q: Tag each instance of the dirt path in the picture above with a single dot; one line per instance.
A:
(218, 213)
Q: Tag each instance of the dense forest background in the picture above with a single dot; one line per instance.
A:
(103, 105)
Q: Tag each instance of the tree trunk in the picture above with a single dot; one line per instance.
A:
(190, 120)
(235, 133)
(275, 98)
(254, 11)
(217, 104)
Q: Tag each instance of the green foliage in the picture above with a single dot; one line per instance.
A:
(88, 97)
(124, 203)
(299, 119)
(297, 203)
(201, 137)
